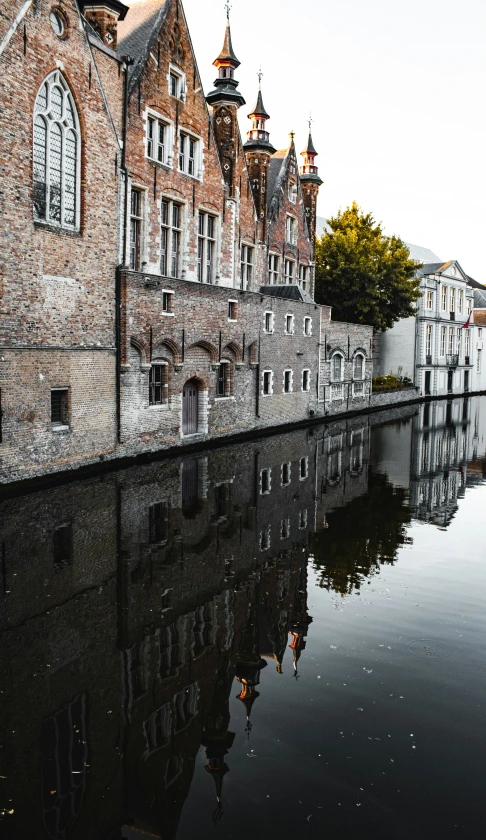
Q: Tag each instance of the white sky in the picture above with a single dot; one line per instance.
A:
(397, 93)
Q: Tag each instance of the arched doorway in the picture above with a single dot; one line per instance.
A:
(190, 407)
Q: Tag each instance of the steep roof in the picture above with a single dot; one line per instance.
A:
(474, 284)
(274, 168)
(138, 32)
(288, 292)
(421, 254)
(480, 298)
(227, 53)
(259, 109)
(310, 148)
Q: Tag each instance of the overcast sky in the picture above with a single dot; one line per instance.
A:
(397, 93)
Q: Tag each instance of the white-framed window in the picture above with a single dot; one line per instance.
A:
(459, 340)
(442, 340)
(292, 192)
(303, 468)
(57, 154)
(289, 324)
(273, 269)
(443, 299)
(177, 83)
(285, 473)
(478, 361)
(170, 237)
(247, 260)
(265, 539)
(232, 310)
(466, 343)
(358, 366)
(267, 382)
(306, 379)
(189, 154)
(268, 322)
(158, 139)
(452, 299)
(288, 379)
(167, 302)
(468, 307)
(159, 384)
(460, 300)
(206, 247)
(291, 230)
(136, 225)
(265, 481)
(428, 340)
(429, 299)
(307, 326)
(451, 340)
(303, 275)
(285, 528)
(289, 271)
(303, 519)
(224, 379)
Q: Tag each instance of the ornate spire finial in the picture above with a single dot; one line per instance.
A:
(260, 74)
(292, 135)
(227, 6)
(310, 122)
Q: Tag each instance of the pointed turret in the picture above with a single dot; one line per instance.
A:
(259, 150)
(310, 182)
(225, 101)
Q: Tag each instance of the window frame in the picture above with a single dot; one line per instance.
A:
(184, 133)
(168, 295)
(443, 298)
(303, 272)
(289, 390)
(270, 314)
(207, 243)
(45, 182)
(65, 411)
(305, 462)
(226, 380)
(289, 271)
(292, 327)
(181, 82)
(268, 481)
(273, 272)
(429, 299)
(291, 230)
(162, 384)
(268, 372)
(168, 230)
(232, 310)
(287, 464)
(247, 267)
(308, 372)
(359, 355)
(168, 124)
(307, 321)
(136, 221)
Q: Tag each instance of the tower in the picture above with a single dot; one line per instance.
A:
(258, 151)
(310, 183)
(225, 101)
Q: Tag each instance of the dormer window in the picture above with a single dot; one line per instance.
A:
(292, 193)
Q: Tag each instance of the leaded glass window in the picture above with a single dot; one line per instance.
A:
(56, 154)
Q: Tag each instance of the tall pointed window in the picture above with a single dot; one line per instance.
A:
(57, 156)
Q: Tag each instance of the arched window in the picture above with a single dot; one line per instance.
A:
(358, 367)
(56, 154)
(337, 367)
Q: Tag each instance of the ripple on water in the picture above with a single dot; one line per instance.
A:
(428, 648)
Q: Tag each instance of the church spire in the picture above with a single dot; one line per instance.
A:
(226, 63)
(310, 183)
(258, 151)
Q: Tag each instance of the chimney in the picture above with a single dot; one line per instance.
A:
(103, 17)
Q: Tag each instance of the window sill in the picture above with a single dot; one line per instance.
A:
(223, 399)
(38, 223)
(161, 163)
(60, 429)
(164, 406)
(232, 320)
(192, 177)
(169, 314)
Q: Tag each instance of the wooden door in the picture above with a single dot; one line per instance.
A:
(190, 406)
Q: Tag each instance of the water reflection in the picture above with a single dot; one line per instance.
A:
(136, 605)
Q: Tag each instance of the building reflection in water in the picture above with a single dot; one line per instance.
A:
(136, 604)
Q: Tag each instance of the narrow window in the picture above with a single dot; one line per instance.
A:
(466, 346)
(452, 299)
(286, 469)
(232, 310)
(284, 529)
(307, 326)
(303, 519)
(267, 382)
(265, 481)
(188, 154)
(291, 230)
(265, 539)
(157, 136)
(442, 340)
(289, 324)
(223, 380)
(158, 385)
(478, 361)
(269, 322)
(59, 407)
(157, 523)
(56, 150)
(168, 303)
(429, 299)
(337, 367)
(63, 545)
(273, 269)
(428, 340)
(443, 299)
(303, 271)
(303, 467)
(206, 247)
(246, 266)
(289, 271)
(135, 229)
(287, 381)
(451, 340)
(174, 86)
(358, 371)
(170, 238)
(306, 380)
(460, 299)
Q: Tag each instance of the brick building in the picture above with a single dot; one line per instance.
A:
(157, 271)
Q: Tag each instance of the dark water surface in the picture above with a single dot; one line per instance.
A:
(281, 638)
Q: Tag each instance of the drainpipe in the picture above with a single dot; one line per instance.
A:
(128, 61)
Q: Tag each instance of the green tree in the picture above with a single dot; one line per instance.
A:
(367, 277)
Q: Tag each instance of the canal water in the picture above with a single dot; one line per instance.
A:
(278, 638)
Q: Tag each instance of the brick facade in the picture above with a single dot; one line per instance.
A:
(171, 225)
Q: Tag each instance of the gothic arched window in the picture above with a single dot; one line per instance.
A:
(56, 154)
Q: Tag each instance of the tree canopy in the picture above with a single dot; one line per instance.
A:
(367, 277)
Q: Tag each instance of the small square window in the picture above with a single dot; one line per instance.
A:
(59, 407)
(167, 302)
(232, 310)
